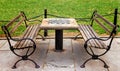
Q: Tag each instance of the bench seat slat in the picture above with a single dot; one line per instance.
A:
(28, 35)
(82, 30)
(87, 32)
(30, 32)
(90, 34)
(20, 43)
(95, 42)
(101, 44)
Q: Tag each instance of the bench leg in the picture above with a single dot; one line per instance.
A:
(94, 57)
(14, 66)
(42, 37)
(83, 65)
(105, 65)
(36, 66)
(25, 58)
(76, 36)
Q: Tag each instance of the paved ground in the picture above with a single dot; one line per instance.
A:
(69, 60)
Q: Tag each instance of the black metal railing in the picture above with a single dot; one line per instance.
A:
(46, 15)
(52, 15)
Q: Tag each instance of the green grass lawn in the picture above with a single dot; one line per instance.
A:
(68, 8)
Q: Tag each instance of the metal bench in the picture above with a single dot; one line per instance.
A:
(93, 40)
(26, 41)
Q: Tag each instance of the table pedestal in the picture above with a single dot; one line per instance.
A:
(58, 40)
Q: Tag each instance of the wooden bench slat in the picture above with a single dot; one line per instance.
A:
(36, 30)
(93, 41)
(11, 22)
(16, 45)
(112, 25)
(91, 29)
(17, 25)
(102, 25)
(91, 35)
(82, 30)
(28, 35)
(101, 44)
(32, 32)
(87, 32)
(24, 43)
(20, 43)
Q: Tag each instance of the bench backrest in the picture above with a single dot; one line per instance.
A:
(106, 25)
(19, 19)
(13, 25)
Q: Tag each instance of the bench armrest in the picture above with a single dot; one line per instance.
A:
(21, 39)
(85, 45)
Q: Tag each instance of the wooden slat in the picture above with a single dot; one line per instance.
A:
(19, 44)
(11, 22)
(87, 35)
(36, 31)
(82, 32)
(112, 25)
(87, 32)
(91, 29)
(22, 37)
(23, 43)
(101, 44)
(102, 25)
(92, 34)
(98, 43)
(31, 33)
(17, 25)
(27, 42)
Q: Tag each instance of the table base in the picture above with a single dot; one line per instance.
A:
(58, 40)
